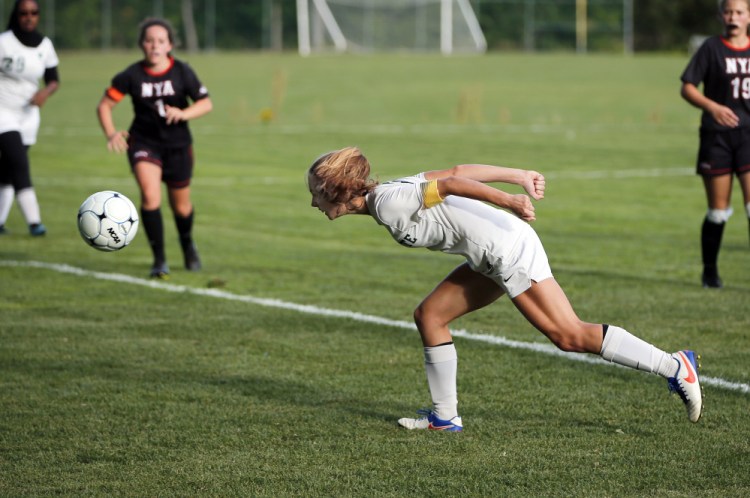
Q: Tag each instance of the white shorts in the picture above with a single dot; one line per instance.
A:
(26, 121)
(527, 262)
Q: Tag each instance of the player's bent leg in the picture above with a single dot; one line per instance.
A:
(461, 292)
(547, 308)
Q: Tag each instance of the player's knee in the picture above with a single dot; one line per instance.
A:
(570, 338)
(420, 316)
(425, 317)
(148, 204)
(183, 211)
(718, 216)
(564, 343)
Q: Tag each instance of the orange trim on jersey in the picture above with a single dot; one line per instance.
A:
(731, 47)
(151, 72)
(115, 94)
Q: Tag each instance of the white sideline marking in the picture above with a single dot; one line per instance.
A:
(547, 349)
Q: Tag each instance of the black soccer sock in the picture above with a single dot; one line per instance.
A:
(710, 242)
(154, 226)
(185, 228)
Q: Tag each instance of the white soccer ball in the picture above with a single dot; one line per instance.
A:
(108, 221)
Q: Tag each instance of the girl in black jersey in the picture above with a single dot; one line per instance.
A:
(166, 93)
(722, 64)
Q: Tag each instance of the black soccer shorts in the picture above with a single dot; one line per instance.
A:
(176, 162)
(724, 152)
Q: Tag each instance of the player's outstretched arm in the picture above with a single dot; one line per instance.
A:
(532, 181)
(520, 204)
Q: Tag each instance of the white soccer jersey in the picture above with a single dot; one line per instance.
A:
(21, 68)
(484, 235)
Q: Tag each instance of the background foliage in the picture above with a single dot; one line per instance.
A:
(658, 24)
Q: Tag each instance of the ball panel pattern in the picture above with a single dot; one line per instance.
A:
(108, 221)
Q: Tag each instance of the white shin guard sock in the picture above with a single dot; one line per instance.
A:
(623, 348)
(6, 201)
(441, 365)
(29, 205)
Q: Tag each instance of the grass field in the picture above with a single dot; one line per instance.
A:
(115, 385)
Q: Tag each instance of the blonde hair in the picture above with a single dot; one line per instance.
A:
(343, 175)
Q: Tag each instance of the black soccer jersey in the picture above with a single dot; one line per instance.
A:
(725, 74)
(150, 93)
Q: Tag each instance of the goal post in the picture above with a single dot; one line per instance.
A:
(364, 26)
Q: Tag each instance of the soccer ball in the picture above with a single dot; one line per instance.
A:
(108, 221)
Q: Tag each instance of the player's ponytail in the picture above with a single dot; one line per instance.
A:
(343, 175)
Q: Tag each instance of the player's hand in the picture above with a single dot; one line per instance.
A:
(118, 141)
(725, 116)
(534, 184)
(39, 99)
(523, 208)
(174, 114)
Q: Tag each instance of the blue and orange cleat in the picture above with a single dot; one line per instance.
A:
(686, 383)
(430, 421)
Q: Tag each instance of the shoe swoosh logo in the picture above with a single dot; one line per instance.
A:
(441, 427)
(691, 374)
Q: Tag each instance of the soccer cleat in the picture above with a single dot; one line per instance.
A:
(686, 383)
(192, 260)
(37, 229)
(711, 280)
(430, 421)
(160, 270)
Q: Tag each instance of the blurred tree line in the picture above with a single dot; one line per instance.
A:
(657, 25)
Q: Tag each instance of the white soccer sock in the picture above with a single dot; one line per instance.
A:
(441, 365)
(26, 199)
(6, 201)
(623, 348)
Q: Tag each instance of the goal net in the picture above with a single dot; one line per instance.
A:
(362, 26)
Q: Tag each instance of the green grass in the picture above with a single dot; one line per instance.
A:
(116, 388)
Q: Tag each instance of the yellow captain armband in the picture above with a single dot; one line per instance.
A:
(431, 194)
